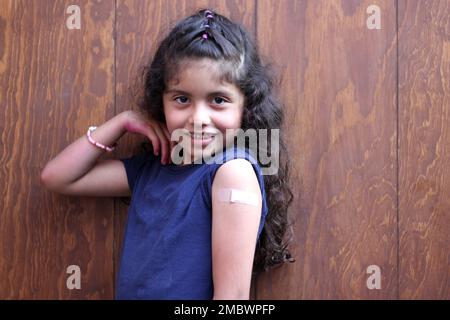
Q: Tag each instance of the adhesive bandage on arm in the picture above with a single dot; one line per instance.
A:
(237, 196)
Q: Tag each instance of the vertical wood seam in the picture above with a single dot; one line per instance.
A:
(397, 151)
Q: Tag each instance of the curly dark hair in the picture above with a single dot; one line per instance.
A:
(236, 54)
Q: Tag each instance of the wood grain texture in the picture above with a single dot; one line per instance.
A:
(339, 86)
(424, 149)
(54, 83)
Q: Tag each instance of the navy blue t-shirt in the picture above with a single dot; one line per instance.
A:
(166, 253)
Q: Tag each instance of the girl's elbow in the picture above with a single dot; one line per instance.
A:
(49, 182)
(45, 179)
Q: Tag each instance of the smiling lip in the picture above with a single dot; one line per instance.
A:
(203, 134)
(205, 139)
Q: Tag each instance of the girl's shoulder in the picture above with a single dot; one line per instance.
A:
(234, 152)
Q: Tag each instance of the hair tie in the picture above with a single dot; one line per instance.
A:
(208, 15)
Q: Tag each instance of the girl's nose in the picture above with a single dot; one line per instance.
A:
(200, 114)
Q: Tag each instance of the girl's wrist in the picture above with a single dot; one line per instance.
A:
(98, 144)
(126, 119)
(106, 136)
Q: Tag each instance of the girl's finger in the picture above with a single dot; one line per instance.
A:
(151, 134)
(169, 143)
(163, 143)
(166, 132)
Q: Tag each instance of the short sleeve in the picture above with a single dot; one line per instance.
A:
(134, 166)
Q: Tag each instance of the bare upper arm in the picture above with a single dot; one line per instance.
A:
(107, 178)
(234, 231)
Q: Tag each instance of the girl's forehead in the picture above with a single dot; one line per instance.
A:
(206, 67)
(199, 63)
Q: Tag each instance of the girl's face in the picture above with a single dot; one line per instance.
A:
(196, 101)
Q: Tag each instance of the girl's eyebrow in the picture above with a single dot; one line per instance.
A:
(178, 92)
(215, 93)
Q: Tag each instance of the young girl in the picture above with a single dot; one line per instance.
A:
(192, 229)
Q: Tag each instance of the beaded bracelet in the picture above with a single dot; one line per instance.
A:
(98, 144)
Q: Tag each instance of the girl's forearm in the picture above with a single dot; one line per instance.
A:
(80, 156)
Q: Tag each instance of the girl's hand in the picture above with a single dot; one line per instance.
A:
(155, 131)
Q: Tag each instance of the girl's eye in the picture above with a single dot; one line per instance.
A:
(181, 99)
(218, 100)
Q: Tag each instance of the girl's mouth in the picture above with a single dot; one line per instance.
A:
(201, 139)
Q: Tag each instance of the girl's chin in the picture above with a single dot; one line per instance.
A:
(201, 150)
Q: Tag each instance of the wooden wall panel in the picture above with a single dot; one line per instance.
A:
(54, 83)
(339, 86)
(424, 149)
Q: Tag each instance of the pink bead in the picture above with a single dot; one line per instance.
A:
(98, 144)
